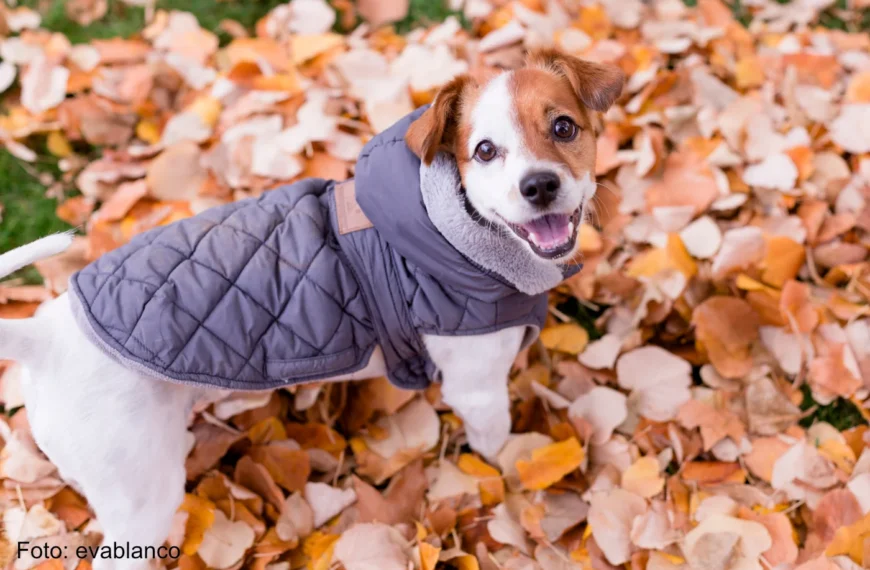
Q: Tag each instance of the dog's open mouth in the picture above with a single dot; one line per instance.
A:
(550, 236)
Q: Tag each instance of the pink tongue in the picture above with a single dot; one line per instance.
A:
(550, 230)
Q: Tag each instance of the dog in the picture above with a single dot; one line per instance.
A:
(491, 182)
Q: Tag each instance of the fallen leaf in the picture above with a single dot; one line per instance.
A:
(658, 380)
(603, 408)
(43, 85)
(741, 248)
(549, 464)
(327, 501)
(643, 478)
(850, 541)
(225, 542)
(296, 520)
(726, 328)
(726, 542)
(849, 128)
(371, 546)
(611, 515)
(566, 337)
(378, 13)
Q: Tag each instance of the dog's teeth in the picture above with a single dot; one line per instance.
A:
(570, 229)
(533, 237)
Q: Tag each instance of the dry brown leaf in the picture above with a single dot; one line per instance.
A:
(726, 542)
(604, 409)
(225, 542)
(726, 329)
(371, 546)
(611, 515)
(327, 501)
(658, 380)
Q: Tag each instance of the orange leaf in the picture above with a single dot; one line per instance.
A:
(549, 464)
(428, 556)
(643, 478)
(490, 482)
(795, 306)
(726, 328)
(783, 259)
(713, 472)
(850, 541)
(200, 517)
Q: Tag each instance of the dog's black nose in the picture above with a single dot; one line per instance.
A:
(540, 188)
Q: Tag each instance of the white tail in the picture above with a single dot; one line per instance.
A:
(18, 337)
(23, 256)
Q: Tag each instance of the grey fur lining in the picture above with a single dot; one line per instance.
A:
(489, 248)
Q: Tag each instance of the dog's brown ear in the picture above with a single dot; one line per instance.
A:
(597, 85)
(436, 128)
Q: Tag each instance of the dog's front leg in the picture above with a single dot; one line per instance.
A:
(474, 371)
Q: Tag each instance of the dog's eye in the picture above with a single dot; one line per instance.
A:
(564, 129)
(485, 151)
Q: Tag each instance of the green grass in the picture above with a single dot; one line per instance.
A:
(427, 12)
(841, 413)
(27, 213)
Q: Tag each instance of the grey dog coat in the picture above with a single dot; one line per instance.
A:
(295, 286)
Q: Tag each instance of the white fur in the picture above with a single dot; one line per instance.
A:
(493, 187)
(119, 437)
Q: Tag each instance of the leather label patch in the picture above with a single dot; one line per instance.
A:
(351, 218)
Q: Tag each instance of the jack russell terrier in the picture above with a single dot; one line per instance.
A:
(433, 263)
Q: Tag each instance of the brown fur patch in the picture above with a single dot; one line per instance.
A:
(597, 86)
(436, 129)
(539, 98)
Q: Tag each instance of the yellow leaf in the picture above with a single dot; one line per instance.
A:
(648, 263)
(491, 484)
(428, 556)
(269, 429)
(749, 72)
(673, 256)
(58, 145)
(465, 562)
(566, 337)
(642, 478)
(679, 257)
(307, 46)
(589, 239)
(594, 21)
(200, 517)
(208, 109)
(148, 132)
(747, 283)
(672, 558)
(840, 453)
(421, 531)
(550, 463)
(849, 540)
(782, 261)
(476, 467)
(318, 546)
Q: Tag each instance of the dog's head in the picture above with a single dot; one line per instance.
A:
(524, 142)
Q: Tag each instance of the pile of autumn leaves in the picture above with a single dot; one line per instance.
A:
(729, 269)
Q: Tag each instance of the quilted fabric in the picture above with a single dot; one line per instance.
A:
(265, 292)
